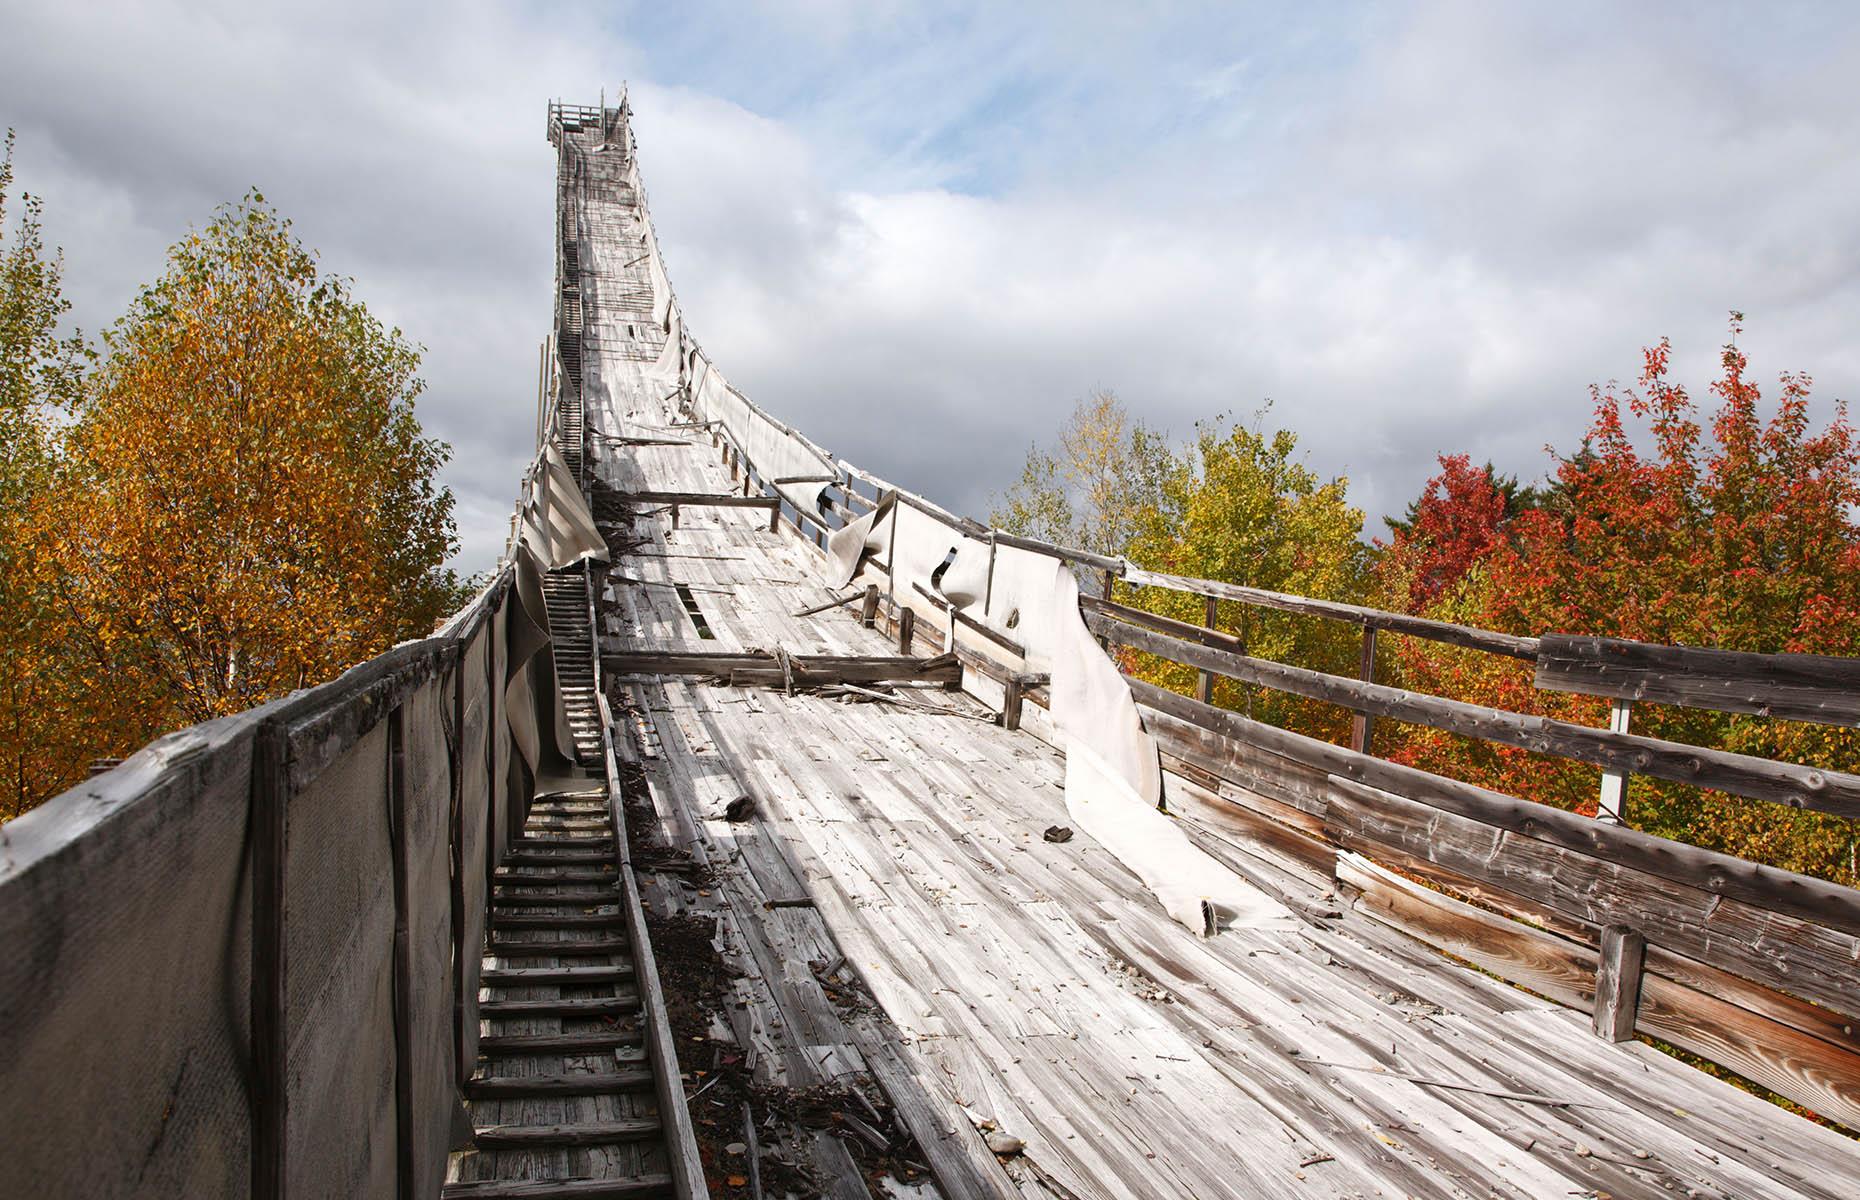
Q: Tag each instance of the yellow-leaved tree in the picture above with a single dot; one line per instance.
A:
(41, 375)
(1236, 504)
(246, 502)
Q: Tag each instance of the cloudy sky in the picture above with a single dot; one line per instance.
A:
(922, 232)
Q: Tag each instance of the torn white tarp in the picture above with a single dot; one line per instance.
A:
(555, 521)
(1114, 781)
(532, 701)
(849, 546)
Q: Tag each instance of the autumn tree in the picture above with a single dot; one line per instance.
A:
(1459, 517)
(1237, 504)
(246, 504)
(1735, 531)
(1240, 505)
(41, 374)
(1091, 490)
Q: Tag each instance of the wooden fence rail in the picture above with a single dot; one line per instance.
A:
(1739, 774)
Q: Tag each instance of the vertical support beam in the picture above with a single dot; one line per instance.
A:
(907, 626)
(1010, 703)
(455, 765)
(891, 555)
(775, 516)
(988, 587)
(1617, 983)
(398, 825)
(1110, 578)
(1362, 725)
(493, 688)
(868, 610)
(270, 1097)
(674, 516)
(1612, 806)
(1204, 686)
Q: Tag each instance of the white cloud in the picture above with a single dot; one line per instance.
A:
(921, 233)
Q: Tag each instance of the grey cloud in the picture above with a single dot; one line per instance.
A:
(1417, 230)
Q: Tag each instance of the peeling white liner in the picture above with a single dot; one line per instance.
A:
(1114, 783)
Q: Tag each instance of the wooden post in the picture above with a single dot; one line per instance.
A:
(868, 611)
(1362, 725)
(455, 808)
(493, 685)
(1110, 577)
(270, 1094)
(1617, 983)
(907, 626)
(674, 516)
(1612, 806)
(1010, 703)
(1204, 686)
(398, 826)
(775, 516)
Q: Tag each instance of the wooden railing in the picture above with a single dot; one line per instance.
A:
(1746, 965)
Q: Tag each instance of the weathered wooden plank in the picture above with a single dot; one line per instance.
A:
(1817, 1021)
(699, 499)
(1296, 785)
(270, 964)
(821, 667)
(587, 1006)
(514, 1045)
(557, 976)
(1760, 778)
(536, 920)
(558, 947)
(504, 1087)
(816, 672)
(1815, 900)
(1617, 983)
(687, 1168)
(588, 1133)
(1259, 822)
(1798, 687)
(1435, 631)
(1812, 1072)
(644, 1187)
(1548, 965)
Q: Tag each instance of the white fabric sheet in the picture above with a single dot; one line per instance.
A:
(555, 521)
(848, 546)
(1114, 782)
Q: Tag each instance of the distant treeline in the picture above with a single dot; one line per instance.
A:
(1734, 528)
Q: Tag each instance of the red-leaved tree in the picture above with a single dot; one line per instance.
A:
(1742, 537)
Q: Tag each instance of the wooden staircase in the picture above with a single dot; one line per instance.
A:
(563, 1102)
(566, 593)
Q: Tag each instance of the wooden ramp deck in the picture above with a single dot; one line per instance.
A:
(1035, 989)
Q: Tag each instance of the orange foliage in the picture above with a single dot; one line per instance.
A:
(246, 504)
